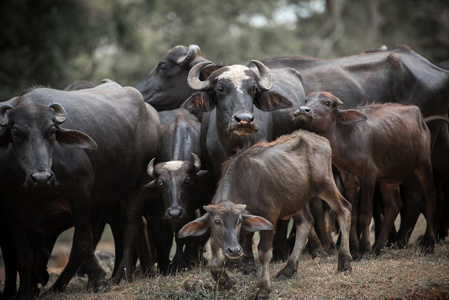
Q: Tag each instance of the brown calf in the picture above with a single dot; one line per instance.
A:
(381, 143)
(267, 182)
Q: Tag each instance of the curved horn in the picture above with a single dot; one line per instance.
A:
(264, 75)
(194, 77)
(192, 53)
(60, 113)
(150, 168)
(197, 162)
(3, 115)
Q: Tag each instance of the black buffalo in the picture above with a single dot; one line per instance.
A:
(183, 188)
(70, 158)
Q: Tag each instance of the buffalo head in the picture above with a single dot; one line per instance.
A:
(174, 179)
(165, 87)
(234, 91)
(321, 110)
(32, 131)
(225, 220)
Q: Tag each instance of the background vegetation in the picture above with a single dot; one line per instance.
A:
(55, 42)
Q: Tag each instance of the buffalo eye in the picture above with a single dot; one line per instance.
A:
(16, 134)
(254, 89)
(327, 103)
(220, 89)
(187, 180)
(163, 67)
(305, 100)
(217, 221)
(160, 183)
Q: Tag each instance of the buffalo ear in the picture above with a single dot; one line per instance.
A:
(195, 228)
(198, 103)
(350, 116)
(255, 223)
(269, 101)
(74, 139)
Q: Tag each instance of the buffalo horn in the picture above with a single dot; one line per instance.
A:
(150, 168)
(194, 77)
(264, 75)
(191, 55)
(3, 116)
(60, 113)
(197, 162)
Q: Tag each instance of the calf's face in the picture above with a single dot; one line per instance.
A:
(175, 179)
(225, 221)
(321, 110)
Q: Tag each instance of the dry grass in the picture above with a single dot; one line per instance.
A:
(395, 274)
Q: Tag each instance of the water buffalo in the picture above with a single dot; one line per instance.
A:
(397, 75)
(267, 182)
(166, 87)
(183, 187)
(378, 143)
(53, 177)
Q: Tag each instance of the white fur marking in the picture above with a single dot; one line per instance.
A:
(236, 74)
(173, 165)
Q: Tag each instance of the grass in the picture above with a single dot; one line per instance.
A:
(395, 274)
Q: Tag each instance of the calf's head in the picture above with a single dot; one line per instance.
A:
(233, 91)
(321, 110)
(225, 221)
(32, 131)
(174, 179)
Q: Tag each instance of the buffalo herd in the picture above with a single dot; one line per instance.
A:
(200, 152)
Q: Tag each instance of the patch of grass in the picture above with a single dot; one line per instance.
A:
(395, 274)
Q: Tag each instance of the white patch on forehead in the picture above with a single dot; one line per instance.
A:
(173, 165)
(236, 74)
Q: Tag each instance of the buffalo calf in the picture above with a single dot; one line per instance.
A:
(378, 143)
(264, 183)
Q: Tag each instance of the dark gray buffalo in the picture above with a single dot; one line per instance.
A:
(264, 183)
(183, 187)
(69, 159)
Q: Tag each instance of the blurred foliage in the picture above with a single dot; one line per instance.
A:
(55, 42)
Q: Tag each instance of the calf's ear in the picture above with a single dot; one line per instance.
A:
(269, 101)
(350, 116)
(74, 139)
(255, 223)
(195, 228)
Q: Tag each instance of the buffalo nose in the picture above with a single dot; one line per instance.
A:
(41, 178)
(174, 212)
(234, 251)
(303, 110)
(244, 118)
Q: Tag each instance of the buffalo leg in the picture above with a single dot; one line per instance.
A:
(265, 250)
(303, 222)
(392, 207)
(342, 208)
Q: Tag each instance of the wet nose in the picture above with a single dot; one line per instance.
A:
(234, 251)
(304, 110)
(244, 118)
(174, 212)
(41, 178)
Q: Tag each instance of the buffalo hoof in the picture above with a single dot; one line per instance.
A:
(319, 252)
(344, 263)
(261, 294)
(286, 273)
(427, 247)
(97, 285)
(377, 249)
